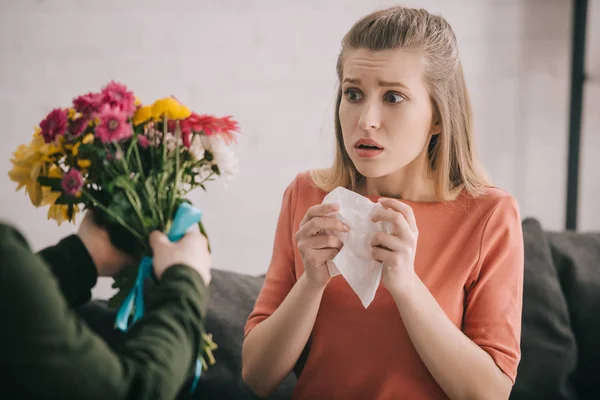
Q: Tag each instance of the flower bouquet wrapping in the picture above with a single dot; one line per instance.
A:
(133, 164)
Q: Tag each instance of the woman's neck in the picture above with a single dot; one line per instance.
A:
(409, 183)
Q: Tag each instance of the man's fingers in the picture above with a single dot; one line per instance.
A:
(157, 238)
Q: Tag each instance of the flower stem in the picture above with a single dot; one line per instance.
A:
(137, 206)
(150, 198)
(177, 167)
(113, 215)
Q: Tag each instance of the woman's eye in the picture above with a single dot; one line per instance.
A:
(353, 95)
(393, 98)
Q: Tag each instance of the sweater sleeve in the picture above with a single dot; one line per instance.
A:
(50, 346)
(494, 298)
(73, 268)
(280, 277)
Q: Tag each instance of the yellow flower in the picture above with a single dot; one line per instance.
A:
(137, 101)
(55, 172)
(84, 163)
(142, 115)
(74, 148)
(60, 213)
(87, 139)
(73, 114)
(94, 121)
(47, 195)
(29, 162)
(170, 108)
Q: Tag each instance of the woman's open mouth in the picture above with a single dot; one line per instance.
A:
(367, 148)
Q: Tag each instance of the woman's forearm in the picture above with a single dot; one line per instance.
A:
(461, 368)
(273, 347)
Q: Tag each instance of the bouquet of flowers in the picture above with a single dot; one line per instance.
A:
(133, 164)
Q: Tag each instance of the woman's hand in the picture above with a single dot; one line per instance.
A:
(317, 244)
(396, 250)
(108, 260)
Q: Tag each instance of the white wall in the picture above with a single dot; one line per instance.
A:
(271, 63)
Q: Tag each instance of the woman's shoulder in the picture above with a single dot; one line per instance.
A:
(495, 197)
(493, 201)
(304, 183)
(302, 192)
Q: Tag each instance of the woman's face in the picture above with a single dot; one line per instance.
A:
(385, 111)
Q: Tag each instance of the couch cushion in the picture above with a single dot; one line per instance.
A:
(232, 299)
(577, 259)
(548, 347)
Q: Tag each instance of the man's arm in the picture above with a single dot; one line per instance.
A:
(74, 269)
(46, 344)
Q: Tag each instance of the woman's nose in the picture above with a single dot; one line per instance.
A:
(370, 118)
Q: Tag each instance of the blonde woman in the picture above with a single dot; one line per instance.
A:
(446, 320)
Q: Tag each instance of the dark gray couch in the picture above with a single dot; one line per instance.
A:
(560, 336)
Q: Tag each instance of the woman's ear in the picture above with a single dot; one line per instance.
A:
(436, 127)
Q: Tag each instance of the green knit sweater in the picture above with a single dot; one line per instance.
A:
(48, 353)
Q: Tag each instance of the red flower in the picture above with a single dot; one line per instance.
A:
(78, 126)
(54, 125)
(208, 125)
(88, 104)
(72, 182)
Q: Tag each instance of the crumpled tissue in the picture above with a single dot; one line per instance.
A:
(354, 261)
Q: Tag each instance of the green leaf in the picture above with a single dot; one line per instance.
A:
(67, 200)
(203, 231)
(52, 183)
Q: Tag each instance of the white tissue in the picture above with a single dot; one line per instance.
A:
(354, 261)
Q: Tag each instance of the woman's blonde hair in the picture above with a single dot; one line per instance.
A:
(451, 154)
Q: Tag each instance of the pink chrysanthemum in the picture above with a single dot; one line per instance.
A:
(72, 182)
(54, 125)
(113, 125)
(117, 96)
(88, 104)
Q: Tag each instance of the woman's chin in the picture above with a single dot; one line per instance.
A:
(371, 170)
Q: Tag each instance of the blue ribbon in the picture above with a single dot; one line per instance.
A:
(185, 217)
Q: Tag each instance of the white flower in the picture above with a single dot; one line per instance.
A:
(154, 136)
(197, 148)
(171, 142)
(202, 173)
(224, 158)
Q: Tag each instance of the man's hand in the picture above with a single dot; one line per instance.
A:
(108, 259)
